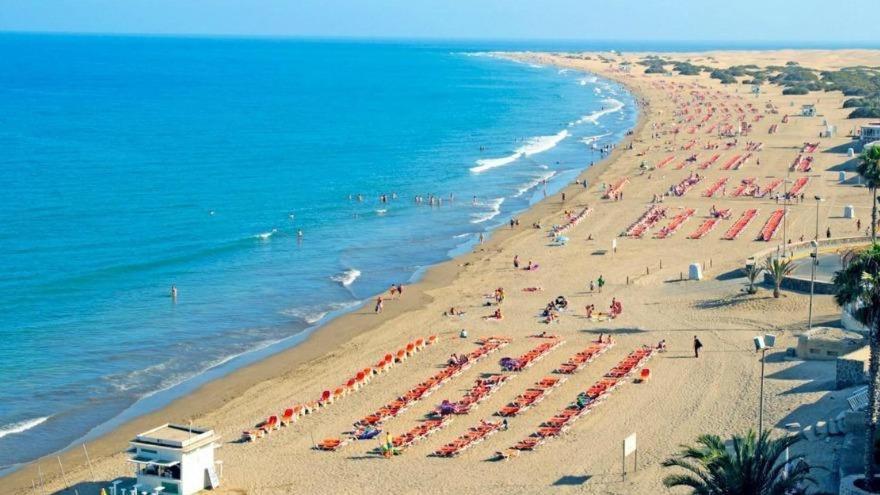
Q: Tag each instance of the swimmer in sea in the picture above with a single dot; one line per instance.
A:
(173, 292)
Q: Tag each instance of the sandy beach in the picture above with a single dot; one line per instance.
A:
(686, 396)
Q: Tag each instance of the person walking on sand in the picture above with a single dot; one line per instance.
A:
(379, 304)
(516, 262)
(600, 282)
(697, 346)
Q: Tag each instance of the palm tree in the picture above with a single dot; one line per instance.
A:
(752, 272)
(779, 268)
(857, 286)
(754, 466)
(869, 169)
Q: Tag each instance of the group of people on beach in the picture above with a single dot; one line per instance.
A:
(395, 291)
(528, 267)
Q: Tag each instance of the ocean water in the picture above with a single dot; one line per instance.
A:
(130, 164)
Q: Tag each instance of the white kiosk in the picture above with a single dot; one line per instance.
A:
(175, 459)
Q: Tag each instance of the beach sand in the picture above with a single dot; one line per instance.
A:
(717, 393)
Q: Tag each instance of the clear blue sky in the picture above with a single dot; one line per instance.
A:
(687, 20)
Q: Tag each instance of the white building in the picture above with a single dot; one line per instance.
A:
(808, 110)
(870, 133)
(175, 459)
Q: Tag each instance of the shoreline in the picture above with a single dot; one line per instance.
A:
(319, 342)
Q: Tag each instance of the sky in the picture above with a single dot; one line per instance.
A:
(619, 20)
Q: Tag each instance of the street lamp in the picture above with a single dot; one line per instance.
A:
(787, 181)
(814, 260)
(762, 344)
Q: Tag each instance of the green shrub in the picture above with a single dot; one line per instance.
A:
(865, 113)
(796, 90)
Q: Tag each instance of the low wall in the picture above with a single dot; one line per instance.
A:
(852, 369)
(801, 250)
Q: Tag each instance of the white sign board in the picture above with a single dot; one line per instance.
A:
(629, 445)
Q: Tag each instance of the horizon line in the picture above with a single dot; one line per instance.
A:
(853, 44)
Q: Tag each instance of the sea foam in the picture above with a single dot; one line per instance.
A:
(533, 146)
(21, 426)
(612, 107)
(347, 277)
(494, 210)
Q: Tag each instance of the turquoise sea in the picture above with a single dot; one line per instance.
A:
(131, 164)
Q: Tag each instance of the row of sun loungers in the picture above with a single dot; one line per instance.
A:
(614, 191)
(708, 163)
(533, 395)
(591, 398)
(773, 129)
(740, 224)
(729, 163)
(666, 161)
(581, 359)
(652, 215)
(746, 187)
(686, 184)
(715, 187)
(754, 146)
(528, 359)
(420, 432)
(738, 162)
(810, 147)
(474, 436)
(684, 163)
(675, 224)
(771, 225)
(704, 228)
(802, 163)
(798, 186)
(483, 388)
(573, 221)
(327, 397)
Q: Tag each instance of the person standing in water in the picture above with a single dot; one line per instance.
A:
(173, 292)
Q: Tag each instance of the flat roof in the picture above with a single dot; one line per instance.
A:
(176, 437)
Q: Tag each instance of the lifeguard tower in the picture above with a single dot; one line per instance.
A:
(808, 110)
(175, 459)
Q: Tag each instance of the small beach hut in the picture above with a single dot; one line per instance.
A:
(175, 459)
(869, 133)
(808, 110)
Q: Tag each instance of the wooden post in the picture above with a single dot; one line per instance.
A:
(624, 460)
(42, 482)
(89, 462)
(63, 475)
